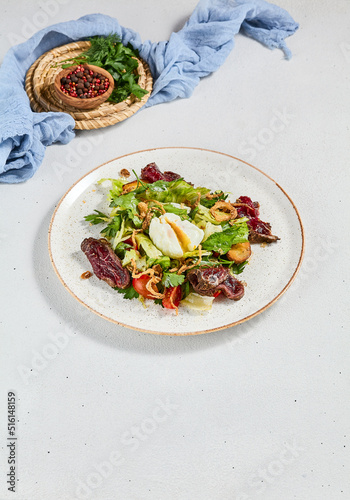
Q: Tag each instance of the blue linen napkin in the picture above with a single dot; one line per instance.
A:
(177, 65)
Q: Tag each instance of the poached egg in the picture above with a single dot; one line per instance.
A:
(173, 236)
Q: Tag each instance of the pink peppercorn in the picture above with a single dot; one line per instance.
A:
(76, 83)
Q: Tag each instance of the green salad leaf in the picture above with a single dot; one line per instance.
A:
(113, 227)
(119, 235)
(121, 249)
(211, 202)
(147, 246)
(97, 218)
(181, 212)
(178, 191)
(128, 202)
(203, 215)
(129, 293)
(134, 255)
(172, 279)
(234, 268)
(222, 242)
(117, 187)
(185, 289)
(163, 261)
(125, 201)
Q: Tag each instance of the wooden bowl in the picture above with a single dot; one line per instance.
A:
(76, 102)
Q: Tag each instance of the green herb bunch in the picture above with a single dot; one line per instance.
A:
(119, 60)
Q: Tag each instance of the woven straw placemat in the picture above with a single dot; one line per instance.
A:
(39, 86)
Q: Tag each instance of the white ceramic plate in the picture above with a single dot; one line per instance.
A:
(271, 270)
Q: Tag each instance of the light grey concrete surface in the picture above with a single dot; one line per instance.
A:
(258, 411)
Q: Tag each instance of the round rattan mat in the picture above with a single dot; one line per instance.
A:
(39, 86)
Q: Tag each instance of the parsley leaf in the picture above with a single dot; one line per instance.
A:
(129, 293)
(128, 202)
(235, 268)
(97, 218)
(172, 279)
(185, 288)
(113, 227)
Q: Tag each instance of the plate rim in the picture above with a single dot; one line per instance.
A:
(176, 334)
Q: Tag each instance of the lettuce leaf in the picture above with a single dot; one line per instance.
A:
(121, 249)
(203, 216)
(163, 261)
(181, 212)
(178, 191)
(119, 235)
(211, 229)
(125, 201)
(147, 246)
(222, 242)
(198, 302)
(139, 261)
(195, 253)
(117, 187)
(128, 202)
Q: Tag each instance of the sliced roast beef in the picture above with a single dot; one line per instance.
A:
(210, 280)
(205, 280)
(260, 232)
(246, 207)
(105, 263)
(232, 288)
(151, 173)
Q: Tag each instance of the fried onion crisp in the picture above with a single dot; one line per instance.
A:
(146, 212)
(124, 173)
(135, 231)
(150, 287)
(160, 205)
(196, 203)
(239, 204)
(223, 211)
(147, 219)
(174, 306)
(142, 207)
(155, 274)
(187, 266)
(212, 196)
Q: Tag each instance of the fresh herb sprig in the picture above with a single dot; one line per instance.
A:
(113, 223)
(172, 279)
(129, 293)
(119, 60)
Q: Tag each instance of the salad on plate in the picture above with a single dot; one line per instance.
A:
(165, 240)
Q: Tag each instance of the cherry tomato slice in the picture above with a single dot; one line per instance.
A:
(172, 297)
(140, 286)
(129, 242)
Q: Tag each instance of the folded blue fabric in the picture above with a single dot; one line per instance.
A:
(177, 65)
